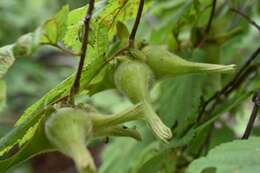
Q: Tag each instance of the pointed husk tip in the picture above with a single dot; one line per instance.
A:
(215, 68)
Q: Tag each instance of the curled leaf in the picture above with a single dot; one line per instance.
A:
(6, 59)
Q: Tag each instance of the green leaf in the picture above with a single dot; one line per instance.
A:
(98, 46)
(122, 32)
(138, 156)
(150, 159)
(180, 100)
(6, 59)
(238, 156)
(115, 159)
(74, 28)
(157, 164)
(115, 11)
(55, 28)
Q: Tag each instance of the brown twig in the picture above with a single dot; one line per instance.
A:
(136, 24)
(229, 87)
(250, 124)
(253, 23)
(76, 84)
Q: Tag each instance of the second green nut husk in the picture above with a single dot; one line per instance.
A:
(166, 64)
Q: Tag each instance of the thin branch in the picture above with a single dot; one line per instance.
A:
(76, 85)
(204, 37)
(211, 16)
(67, 51)
(250, 70)
(63, 49)
(246, 17)
(253, 115)
(136, 24)
(229, 87)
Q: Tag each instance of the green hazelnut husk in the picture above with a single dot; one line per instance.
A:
(69, 129)
(134, 79)
(166, 64)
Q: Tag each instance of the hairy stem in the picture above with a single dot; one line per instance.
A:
(76, 84)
